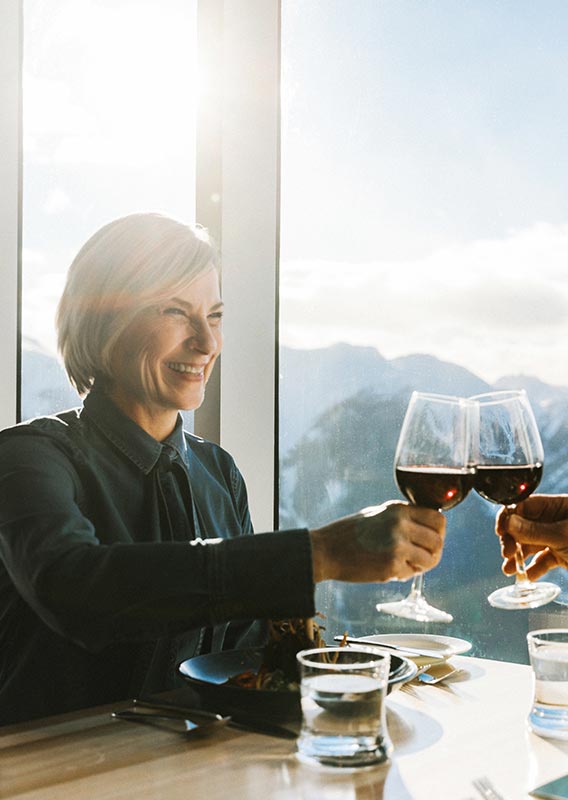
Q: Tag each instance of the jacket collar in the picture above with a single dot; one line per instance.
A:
(141, 448)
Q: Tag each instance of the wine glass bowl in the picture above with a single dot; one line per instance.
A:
(434, 487)
(510, 462)
(507, 485)
(433, 468)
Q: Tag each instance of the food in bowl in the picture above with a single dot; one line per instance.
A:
(279, 670)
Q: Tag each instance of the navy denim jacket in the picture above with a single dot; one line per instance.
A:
(103, 589)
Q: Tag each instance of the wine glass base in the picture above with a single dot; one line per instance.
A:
(524, 595)
(415, 607)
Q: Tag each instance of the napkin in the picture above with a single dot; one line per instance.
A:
(555, 790)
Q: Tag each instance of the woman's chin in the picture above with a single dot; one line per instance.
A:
(191, 404)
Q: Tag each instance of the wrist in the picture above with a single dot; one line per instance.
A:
(318, 556)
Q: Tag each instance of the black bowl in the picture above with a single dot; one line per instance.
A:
(208, 674)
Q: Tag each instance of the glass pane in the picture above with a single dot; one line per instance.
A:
(109, 129)
(423, 246)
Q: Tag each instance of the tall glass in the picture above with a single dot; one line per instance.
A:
(433, 467)
(509, 468)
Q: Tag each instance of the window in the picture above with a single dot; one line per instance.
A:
(109, 109)
(422, 241)
(423, 246)
(237, 44)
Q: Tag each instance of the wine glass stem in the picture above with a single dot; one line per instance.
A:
(417, 587)
(521, 575)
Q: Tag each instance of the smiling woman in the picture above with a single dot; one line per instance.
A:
(141, 315)
(124, 545)
(169, 353)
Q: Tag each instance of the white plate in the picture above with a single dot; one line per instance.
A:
(445, 646)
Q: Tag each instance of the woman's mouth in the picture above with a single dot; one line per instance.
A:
(187, 369)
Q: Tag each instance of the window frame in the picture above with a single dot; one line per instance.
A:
(10, 206)
(238, 148)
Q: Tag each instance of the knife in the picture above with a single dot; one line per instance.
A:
(411, 651)
(167, 721)
(245, 722)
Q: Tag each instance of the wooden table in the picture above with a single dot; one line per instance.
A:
(444, 736)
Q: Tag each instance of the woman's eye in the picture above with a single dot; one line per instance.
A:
(216, 316)
(174, 311)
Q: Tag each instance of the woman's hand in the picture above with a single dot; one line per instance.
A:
(393, 541)
(540, 525)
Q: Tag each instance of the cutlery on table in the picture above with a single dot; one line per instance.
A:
(168, 722)
(487, 790)
(245, 722)
(434, 673)
(402, 649)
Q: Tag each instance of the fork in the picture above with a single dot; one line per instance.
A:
(434, 674)
(486, 789)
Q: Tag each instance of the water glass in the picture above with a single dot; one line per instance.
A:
(548, 651)
(343, 693)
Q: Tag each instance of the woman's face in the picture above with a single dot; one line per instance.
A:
(174, 345)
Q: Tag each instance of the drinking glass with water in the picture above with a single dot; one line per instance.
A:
(548, 651)
(343, 710)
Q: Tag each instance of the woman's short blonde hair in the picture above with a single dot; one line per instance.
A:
(128, 265)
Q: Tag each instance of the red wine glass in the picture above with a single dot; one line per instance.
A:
(509, 468)
(433, 467)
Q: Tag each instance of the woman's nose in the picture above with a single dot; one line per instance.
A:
(202, 338)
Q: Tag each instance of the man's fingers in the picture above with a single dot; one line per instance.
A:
(502, 521)
(541, 563)
(508, 546)
(544, 507)
(509, 566)
(525, 531)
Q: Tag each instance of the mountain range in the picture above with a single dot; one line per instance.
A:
(315, 384)
(333, 374)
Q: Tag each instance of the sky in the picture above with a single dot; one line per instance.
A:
(425, 180)
(109, 90)
(424, 165)
(480, 304)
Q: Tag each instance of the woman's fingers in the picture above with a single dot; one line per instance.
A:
(381, 543)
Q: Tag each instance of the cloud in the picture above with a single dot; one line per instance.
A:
(489, 305)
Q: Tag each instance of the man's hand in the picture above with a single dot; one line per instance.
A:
(393, 541)
(540, 525)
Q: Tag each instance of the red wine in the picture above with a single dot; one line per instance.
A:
(507, 484)
(434, 487)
